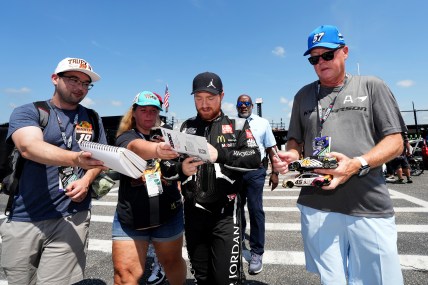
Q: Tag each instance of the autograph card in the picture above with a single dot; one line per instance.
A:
(321, 145)
(188, 144)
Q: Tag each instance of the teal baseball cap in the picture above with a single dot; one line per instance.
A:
(147, 98)
(325, 36)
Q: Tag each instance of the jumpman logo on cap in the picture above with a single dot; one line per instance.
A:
(211, 84)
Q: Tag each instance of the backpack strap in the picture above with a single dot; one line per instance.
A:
(44, 111)
(17, 161)
(94, 117)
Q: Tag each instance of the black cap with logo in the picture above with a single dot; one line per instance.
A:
(209, 82)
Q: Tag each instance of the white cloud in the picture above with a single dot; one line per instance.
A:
(283, 100)
(13, 91)
(279, 51)
(88, 102)
(116, 103)
(95, 43)
(229, 109)
(406, 83)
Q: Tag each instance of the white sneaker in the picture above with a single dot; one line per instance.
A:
(390, 179)
(157, 276)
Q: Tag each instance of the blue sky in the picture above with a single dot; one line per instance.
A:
(255, 46)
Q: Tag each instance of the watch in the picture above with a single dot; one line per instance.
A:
(365, 167)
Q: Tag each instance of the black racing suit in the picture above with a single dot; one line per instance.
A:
(211, 206)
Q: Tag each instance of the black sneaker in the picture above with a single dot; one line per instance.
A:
(409, 180)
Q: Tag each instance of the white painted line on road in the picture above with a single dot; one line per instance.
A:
(289, 226)
(414, 262)
(281, 190)
(409, 198)
(284, 257)
(97, 218)
(278, 209)
(410, 210)
(412, 228)
(396, 209)
(282, 227)
(297, 227)
(100, 245)
(278, 257)
(102, 219)
(104, 203)
(280, 197)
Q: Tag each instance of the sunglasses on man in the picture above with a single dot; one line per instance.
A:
(240, 104)
(327, 56)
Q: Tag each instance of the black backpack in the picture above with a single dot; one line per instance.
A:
(10, 182)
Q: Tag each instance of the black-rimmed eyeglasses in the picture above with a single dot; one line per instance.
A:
(327, 56)
(240, 104)
(74, 81)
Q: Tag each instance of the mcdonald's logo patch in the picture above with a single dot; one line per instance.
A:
(221, 139)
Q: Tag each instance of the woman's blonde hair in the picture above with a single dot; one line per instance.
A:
(128, 121)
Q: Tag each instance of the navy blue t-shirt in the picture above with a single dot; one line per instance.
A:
(39, 197)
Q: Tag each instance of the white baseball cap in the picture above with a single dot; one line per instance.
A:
(77, 64)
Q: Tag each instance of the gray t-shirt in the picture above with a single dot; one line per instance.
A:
(39, 197)
(364, 112)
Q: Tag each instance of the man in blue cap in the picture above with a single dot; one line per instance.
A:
(348, 227)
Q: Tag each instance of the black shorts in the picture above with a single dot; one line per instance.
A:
(399, 162)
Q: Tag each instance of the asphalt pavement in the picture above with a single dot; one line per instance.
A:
(283, 260)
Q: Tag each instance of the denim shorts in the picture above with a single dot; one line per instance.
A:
(169, 231)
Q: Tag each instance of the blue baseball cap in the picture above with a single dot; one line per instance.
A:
(325, 36)
(147, 98)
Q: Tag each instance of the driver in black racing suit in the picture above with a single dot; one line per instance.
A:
(211, 190)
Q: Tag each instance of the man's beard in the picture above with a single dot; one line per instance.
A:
(244, 115)
(68, 98)
(211, 115)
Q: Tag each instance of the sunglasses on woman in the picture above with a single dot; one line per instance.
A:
(327, 56)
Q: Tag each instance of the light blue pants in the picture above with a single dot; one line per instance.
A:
(339, 246)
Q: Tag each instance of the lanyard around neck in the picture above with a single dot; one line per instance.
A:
(68, 141)
(322, 118)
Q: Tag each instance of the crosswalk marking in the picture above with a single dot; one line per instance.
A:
(290, 226)
(409, 198)
(279, 257)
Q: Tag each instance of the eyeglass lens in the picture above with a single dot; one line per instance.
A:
(76, 82)
(248, 104)
(327, 56)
